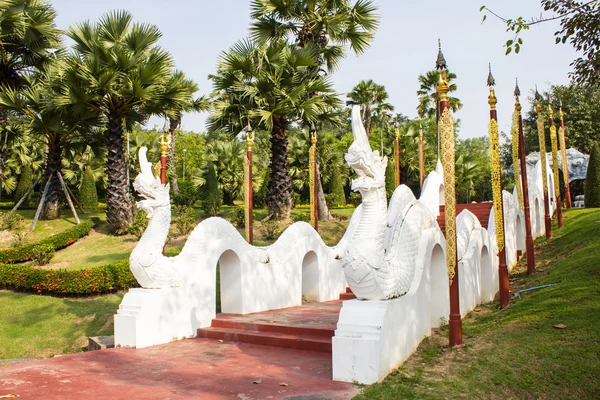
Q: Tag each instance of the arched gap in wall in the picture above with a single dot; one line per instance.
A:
(440, 292)
(310, 277)
(487, 278)
(229, 271)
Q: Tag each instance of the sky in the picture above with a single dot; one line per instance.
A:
(405, 46)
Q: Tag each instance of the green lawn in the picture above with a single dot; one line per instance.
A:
(42, 326)
(518, 353)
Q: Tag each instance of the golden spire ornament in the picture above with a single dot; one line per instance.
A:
(554, 144)
(542, 140)
(397, 155)
(312, 173)
(514, 130)
(563, 148)
(248, 199)
(421, 157)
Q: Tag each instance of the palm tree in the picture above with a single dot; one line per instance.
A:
(271, 86)
(227, 157)
(117, 69)
(429, 104)
(329, 26)
(179, 82)
(28, 36)
(370, 95)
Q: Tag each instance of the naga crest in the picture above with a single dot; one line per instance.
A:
(368, 164)
(148, 186)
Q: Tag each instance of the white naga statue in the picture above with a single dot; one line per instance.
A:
(380, 252)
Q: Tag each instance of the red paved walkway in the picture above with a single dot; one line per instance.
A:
(188, 369)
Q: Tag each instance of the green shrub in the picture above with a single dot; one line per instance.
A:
(19, 237)
(88, 195)
(56, 242)
(390, 178)
(355, 199)
(25, 182)
(238, 217)
(302, 217)
(270, 229)
(42, 254)
(185, 219)
(259, 197)
(211, 201)
(11, 220)
(592, 179)
(188, 194)
(90, 281)
(337, 197)
(140, 223)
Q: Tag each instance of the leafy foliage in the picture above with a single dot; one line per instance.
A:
(56, 242)
(11, 220)
(25, 182)
(42, 254)
(592, 179)
(139, 225)
(188, 194)
(185, 219)
(270, 229)
(83, 282)
(88, 196)
(211, 201)
(238, 217)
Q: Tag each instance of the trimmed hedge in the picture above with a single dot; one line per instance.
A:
(89, 281)
(57, 242)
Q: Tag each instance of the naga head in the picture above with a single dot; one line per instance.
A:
(368, 164)
(148, 186)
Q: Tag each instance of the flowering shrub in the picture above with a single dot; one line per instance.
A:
(56, 242)
(89, 281)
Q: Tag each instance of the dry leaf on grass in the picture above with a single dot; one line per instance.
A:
(560, 326)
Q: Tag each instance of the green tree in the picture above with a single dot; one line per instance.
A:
(337, 195)
(211, 195)
(370, 96)
(390, 178)
(227, 157)
(271, 87)
(592, 179)
(88, 195)
(429, 103)
(25, 182)
(117, 69)
(28, 37)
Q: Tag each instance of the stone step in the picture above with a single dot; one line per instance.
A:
(299, 341)
(324, 331)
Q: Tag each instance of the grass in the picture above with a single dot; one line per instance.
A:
(517, 353)
(42, 326)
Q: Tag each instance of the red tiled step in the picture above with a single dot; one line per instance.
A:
(324, 331)
(300, 341)
(348, 295)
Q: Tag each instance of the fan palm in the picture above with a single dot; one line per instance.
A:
(117, 69)
(271, 86)
(28, 35)
(326, 24)
(428, 97)
(370, 95)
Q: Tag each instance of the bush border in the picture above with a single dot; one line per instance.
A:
(57, 242)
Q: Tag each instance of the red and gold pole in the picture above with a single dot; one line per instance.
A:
(542, 139)
(397, 156)
(497, 193)
(165, 142)
(421, 156)
(446, 130)
(525, 186)
(565, 164)
(249, 219)
(312, 167)
(554, 143)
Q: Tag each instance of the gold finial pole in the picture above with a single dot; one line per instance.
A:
(312, 172)
(446, 131)
(554, 144)
(248, 199)
(542, 140)
(496, 169)
(397, 156)
(421, 156)
(565, 164)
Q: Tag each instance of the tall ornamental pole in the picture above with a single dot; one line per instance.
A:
(312, 171)
(248, 218)
(421, 156)
(554, 143)
(446, 130)
(542, 139)
(165, 141)
(514, 129)
(397, 156)
(525, 185)
(565, 164)
(497, 192)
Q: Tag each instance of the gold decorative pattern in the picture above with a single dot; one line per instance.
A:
(446, 126)
(312, 159)
(542, 139)
(247, 194)
(421, 157)
(515, 156)
(563, 151)
(165, 143)
(554, 143)
(496, 182)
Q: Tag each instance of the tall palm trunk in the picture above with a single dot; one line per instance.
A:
(174, 123)
(55, 196)
(279, 191)
(119, 205)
